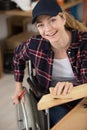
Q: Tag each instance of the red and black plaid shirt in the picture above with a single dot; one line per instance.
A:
(39, 51)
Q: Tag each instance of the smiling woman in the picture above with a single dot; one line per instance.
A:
(62, 39)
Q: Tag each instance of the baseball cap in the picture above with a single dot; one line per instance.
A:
(45, 7)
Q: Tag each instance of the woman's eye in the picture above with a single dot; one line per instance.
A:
(53, 20)
(39, 25)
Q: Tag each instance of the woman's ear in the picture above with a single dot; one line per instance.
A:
(63, 17)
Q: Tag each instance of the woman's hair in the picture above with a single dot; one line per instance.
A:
(72, 23)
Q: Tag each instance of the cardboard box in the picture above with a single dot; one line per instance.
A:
(17, 39)
(17, 24)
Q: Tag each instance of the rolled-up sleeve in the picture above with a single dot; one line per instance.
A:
(21, 55)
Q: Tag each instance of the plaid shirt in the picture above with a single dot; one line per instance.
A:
(39, 51)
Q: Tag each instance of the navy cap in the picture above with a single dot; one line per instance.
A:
(45, 7)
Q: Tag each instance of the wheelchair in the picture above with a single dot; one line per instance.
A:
(27, 114)
(29, 117)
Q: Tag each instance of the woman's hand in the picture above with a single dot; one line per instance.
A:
(62, 88)
(18, 91)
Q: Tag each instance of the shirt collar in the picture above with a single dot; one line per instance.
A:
(75, 36)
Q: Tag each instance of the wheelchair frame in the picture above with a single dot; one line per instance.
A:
(28, 116)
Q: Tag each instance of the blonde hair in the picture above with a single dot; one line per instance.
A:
(72, 23)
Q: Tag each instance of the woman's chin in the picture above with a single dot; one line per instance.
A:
(53, 40)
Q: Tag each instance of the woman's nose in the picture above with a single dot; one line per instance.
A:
(48, 27)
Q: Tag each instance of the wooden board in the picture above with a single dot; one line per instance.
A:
(76, 119)
(48, 101)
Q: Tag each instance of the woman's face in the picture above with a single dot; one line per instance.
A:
(51, 28)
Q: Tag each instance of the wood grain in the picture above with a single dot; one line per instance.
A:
(48, 101)
(76, 119)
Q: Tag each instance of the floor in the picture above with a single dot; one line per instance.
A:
(7, 109)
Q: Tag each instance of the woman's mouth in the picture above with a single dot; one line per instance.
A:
(51, 34)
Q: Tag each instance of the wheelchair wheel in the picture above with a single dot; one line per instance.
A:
(26, 119)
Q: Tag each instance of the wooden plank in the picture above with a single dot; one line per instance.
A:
(76, 119)
(48, 101)
(17, 12)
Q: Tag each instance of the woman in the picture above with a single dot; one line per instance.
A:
(59, 54)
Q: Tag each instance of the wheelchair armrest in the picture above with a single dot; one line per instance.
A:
(35, 87)
(48, 101)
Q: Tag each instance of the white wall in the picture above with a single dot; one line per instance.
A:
(3, 27)
(80, 12)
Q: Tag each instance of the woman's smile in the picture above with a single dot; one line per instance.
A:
(51, 34)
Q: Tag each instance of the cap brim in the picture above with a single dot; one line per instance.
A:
(44, 13)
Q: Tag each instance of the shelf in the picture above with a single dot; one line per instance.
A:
(17, 13)
(29, 13)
